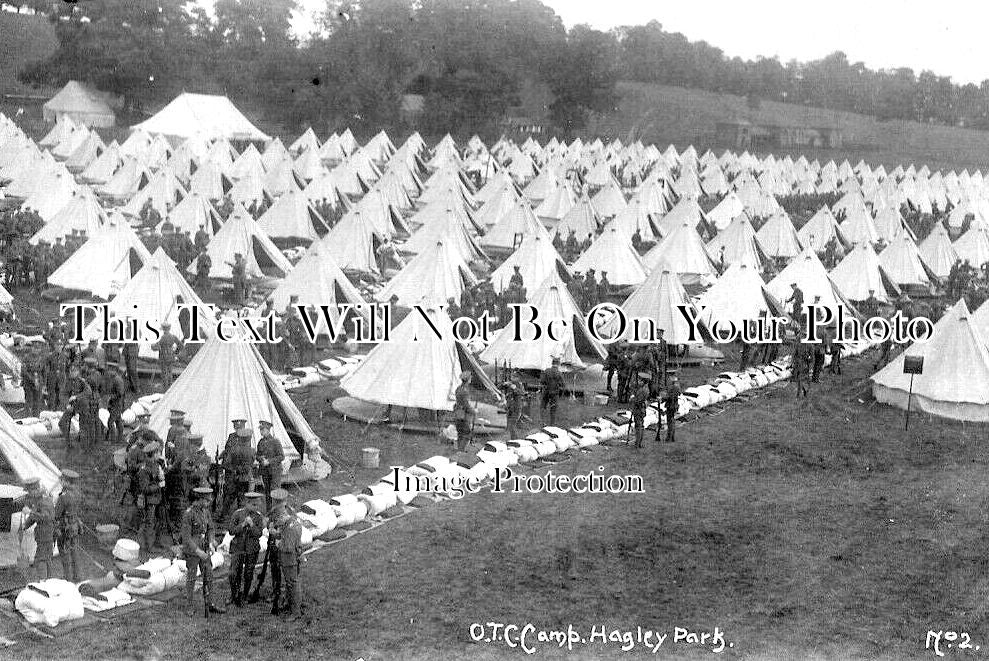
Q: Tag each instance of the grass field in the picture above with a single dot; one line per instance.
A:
(811, 528)
(664, 115)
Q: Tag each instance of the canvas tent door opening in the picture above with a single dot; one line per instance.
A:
(268, 267)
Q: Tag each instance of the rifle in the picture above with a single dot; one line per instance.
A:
(256, 593)
(216, 470)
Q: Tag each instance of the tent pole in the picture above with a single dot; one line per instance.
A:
(906, 425)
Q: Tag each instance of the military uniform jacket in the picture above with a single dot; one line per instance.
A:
(270, 449)
(43, 516)
(197, 531)
(167, 347)
(672, 400)
(552, 382)
(197, 468)
(290, 546)
(246, 537)
(149, 478)
(238, 461)
(67, 523)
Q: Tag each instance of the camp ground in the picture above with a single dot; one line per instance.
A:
(389, 326)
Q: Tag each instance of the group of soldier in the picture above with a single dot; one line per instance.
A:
(55, 523)
(27, 265)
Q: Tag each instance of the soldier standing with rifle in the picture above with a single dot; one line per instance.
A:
(279, 508)
(246, 526)
(238, 465)
(150, 480)
(197, 546)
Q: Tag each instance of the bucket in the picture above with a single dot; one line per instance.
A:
(107, 533)
(369, 457)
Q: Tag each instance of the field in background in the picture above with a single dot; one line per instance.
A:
(664, 115)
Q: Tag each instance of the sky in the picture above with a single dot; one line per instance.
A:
(947, 37)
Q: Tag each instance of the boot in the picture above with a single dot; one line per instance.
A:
(208, 606)
(245, 596)
(189, 591)
(235, 597)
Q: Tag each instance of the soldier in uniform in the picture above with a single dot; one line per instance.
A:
(197, 545)
(130, 351)
(640, 399)
(68, 526)
(612, 364)
(797, 298)
(671, 403)
(54, 376)
(238, 463)
(463, 412)
(197, 464)
(659, 354)
(279, 508)
(40, 512)
(31, 382)
(115, 404)
(177, 438)
(168, 347)
(238, 273)
(290, 560)
(246, 526)
(203, 266)
(552, 384)
(270, 456)
(201, 240)
(150, 480)
(514, 394)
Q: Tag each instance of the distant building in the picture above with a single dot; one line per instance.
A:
(743, 134)
(514, 125)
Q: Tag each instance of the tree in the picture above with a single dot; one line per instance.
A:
(583, 79)
(135, 48)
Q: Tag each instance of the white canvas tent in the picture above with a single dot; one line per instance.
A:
(415, 369)
(203, 115)
(226, 381)
(955, 381)
(241, 234)
(83, 104)
(738, 295)
(105, 263)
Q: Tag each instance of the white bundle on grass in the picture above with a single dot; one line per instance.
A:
(50, 602)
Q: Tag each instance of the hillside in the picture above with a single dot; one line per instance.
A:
(662, 114)
(25, 39)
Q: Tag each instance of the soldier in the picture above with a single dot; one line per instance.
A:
(197, 464)
(201, 240)
(246, 526)
(604, 287)
(514, 394)
(198, 544)
(453, 310)
(176, 438)
(68, 525)
(238, 273)
(552, 385)
(168, 347)
(297, 333)
(870, 306)
(31, 382)
(463, 412)
(115, 404)
(279, 508)
(639, 402)
(86, 405)
(150, 480)
(660, 352)
(798, 367)
(516, 282)
(591, 294)
(671, 403)
(612, 364)
(797, 298)
(203, 266)
(238, 463)
(39, 511)
(130, 351)
(835, 354)
(270, 457)
(290, 560)
(54, 375)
